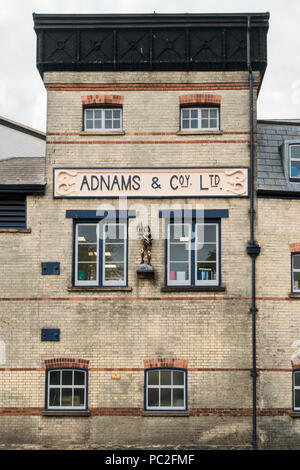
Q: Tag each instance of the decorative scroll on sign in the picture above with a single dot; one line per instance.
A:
(152, 182)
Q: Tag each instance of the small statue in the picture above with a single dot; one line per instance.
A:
(147, 245)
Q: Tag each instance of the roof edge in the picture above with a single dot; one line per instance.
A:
(22, 128)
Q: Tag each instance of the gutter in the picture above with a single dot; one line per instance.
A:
(253, 248)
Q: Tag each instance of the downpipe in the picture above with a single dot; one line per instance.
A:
(253, 249)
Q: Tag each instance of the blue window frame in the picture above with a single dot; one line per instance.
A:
(165, 389)
(294, 161)
(66, 389)
(295, 264)
(100, 253)
(296, 390)
(193, 253)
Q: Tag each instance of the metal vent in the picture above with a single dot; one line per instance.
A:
(12, 211)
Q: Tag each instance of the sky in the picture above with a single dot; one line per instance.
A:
(22, 94)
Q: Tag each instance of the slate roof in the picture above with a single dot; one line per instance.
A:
(22, 171)
(272, 161)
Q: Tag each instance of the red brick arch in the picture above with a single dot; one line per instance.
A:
(294, 247)
(202, 99)
(115, 100)
(165, 362)
(66, 362)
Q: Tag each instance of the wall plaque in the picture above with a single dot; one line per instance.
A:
(150, 182)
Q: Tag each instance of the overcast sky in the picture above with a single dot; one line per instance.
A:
(22, 94)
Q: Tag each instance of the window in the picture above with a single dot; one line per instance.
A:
(12, 211)
(103, 119)
(296, 390)
(193, 254)
(101, 254)
(165, 389)
(199, 119)
(66, 389)
(296, 272)
(294, 152)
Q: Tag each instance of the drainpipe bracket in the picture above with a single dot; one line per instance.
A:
(254, 373)
(253, 250)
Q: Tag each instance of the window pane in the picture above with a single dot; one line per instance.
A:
(66, 397)
(116, 114)
(213, 113)
(153, 397)
(295, 151)
(210, 233)
(295, 169)
(204, 114)
(178, 377)
(165, 397)
(297, 379)
(206, 252)
(117, 124)
(67, 377)
(87, 233)
(178, 397)
(165, 377)
(185, 124)
(297, 398)
(98, 124)
(185, 113)
(55, 377)
(178, 232)
(296, 280)
(206, 272)
(213, 123)
(78, 397)
(108, 124)
(114, 272)
(97, 114)
(194, 113)
(194, 124)
(78, 377)
(153, 377)
(114, 252)
(114, 233)
(179, 251)
(54, 397)
(296, 261)
(89, 124)
(87, 252)
(108, 114)
(204, 123)
(87, 272)
(179, 271)
(89, 114)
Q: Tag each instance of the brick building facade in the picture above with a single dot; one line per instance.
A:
(99, 350)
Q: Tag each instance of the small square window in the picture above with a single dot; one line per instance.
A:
(66, 389)
(165, 389)
(102, 119)
(199, 118)
(294, 158)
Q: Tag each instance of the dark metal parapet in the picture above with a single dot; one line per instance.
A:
(150, 42)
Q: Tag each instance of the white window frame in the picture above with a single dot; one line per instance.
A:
(295, 387)
(199, 128)
(114, 283)
(212, 282)
(294, 271)
(103, 128)
(172, 387)
(175, 282)
(297, 159)
(87, 282)
(60, 386)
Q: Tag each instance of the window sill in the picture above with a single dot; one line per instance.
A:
(294, 295)
(102, 133)
(194, 289)
(15, 230)
(208, 132)
(99, 289)
(168, 414)
(295, 414)
(65, 413)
